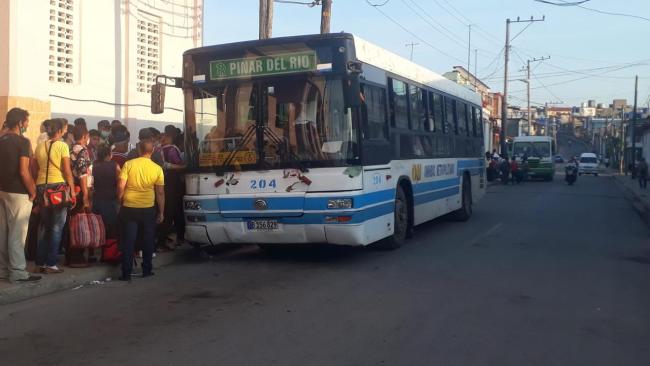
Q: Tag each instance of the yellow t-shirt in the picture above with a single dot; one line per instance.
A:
(59, 151)
(141, 175)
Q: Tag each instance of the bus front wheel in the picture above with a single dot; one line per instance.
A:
(400, 225)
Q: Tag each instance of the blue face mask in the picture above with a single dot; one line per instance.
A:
(105, 134)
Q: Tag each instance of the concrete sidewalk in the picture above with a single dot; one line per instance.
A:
(76, 277)
(640, 198)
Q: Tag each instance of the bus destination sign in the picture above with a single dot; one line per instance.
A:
(264, 65)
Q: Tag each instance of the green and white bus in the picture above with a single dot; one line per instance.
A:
(539, 152)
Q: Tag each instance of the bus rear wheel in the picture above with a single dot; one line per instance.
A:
(400, 225)
(465, 210)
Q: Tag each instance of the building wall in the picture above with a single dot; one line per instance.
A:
(104, 76)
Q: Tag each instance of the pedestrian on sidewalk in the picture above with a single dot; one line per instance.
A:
(105, 172)
(642, 172)
(17, 192)
(54, 171)
(514, 171)
(81, 168)
(505, 170)
(141, 184)
(173, 166)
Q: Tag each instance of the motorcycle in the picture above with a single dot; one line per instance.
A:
(570, 174)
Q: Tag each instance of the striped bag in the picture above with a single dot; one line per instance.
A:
(87, 231)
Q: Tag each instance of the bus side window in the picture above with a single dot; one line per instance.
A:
(375, 111)
(438, 114)
(399, 104)
(450, 112)
(461, 113)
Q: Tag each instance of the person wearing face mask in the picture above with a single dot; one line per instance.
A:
(17, 192)
(81, 168)
(104, 128)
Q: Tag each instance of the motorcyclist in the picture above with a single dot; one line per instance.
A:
(571, 171)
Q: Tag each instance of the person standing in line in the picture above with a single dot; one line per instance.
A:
(120, 144)
(141, 184)
(53, 158)
(17, 192)
(93, 143)
(104, 128)
(642, 172)
(105, 172)
(81, 165)
(174, 189)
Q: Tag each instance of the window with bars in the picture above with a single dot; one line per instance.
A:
(61, 46)
(147, 51)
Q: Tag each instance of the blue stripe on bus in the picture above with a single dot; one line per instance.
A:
(436, 195)
(357, 217)
(437, 184)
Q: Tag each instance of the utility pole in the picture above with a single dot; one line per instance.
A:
(632, 137)
(475, 68)
(411, 45)
(266, 19)
(325, 16)
(469, 48)
(506, 51)
(528, 90)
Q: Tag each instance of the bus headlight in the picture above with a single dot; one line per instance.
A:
(339, 203)
(193, 205)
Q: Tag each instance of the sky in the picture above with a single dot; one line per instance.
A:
(592, 55)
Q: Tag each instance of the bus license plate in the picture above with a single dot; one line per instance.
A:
(262, 225)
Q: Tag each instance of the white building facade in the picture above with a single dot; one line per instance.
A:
(95, 59)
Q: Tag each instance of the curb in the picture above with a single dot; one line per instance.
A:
(74, 277)
(640, 206)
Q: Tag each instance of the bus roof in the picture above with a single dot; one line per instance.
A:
(532, 139)
(374, 55)
(368, 53)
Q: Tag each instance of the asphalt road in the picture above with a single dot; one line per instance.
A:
(543, 274)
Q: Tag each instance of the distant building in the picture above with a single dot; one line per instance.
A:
(94, 59)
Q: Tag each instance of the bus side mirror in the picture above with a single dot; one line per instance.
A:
(352, 91)
(157, 98)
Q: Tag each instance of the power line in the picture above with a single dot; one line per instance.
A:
(457, 40)
(578, 5)
(415, 35)
(469, 21)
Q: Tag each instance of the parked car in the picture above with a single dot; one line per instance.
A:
(559, 159)
(588, 164)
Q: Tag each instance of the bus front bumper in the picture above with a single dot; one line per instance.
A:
(238, 233)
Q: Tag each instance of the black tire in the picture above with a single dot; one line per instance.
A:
(595, 174)
(400, 225)
(465, 210)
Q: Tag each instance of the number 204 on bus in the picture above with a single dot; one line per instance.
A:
(322, 139)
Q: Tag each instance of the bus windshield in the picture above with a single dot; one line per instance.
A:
(275, 124)
(538, 149)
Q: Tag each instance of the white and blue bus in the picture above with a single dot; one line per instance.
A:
(323, 139)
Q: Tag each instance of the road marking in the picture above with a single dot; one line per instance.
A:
(491, 231)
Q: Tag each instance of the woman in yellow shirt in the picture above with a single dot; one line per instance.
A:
(53, 158)
(141, 184)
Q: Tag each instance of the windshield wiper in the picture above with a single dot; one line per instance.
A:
(293, 158)
(250, 132)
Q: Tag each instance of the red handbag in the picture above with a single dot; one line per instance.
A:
(111, 251)
(87, 231)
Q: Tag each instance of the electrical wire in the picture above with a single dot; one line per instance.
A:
(457, 40)
(412, 33)
(579, 5)
(109, 103)
(310, 4)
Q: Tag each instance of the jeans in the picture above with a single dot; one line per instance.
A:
(15, 209)
(643, 182)
(50, 231)
(132, 222)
